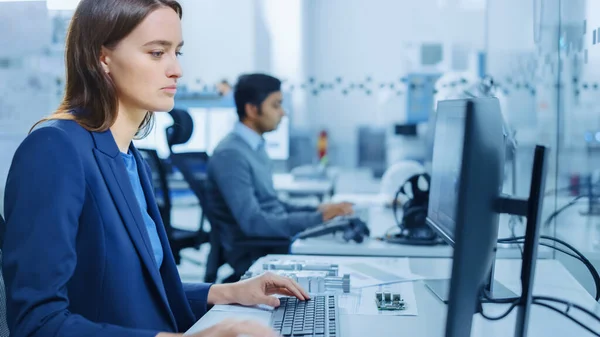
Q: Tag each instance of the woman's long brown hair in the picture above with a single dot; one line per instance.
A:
(90, 94)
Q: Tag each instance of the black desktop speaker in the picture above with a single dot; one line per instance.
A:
(413, 227)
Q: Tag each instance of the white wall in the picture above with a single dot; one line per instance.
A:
(284, 23)
(352, 39)
(26, 87)
(379, 38)
(326, 39)
(219, 40)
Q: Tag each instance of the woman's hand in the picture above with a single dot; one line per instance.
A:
(256, 290)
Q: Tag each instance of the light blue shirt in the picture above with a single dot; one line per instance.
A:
(134, 178)
(253, 139)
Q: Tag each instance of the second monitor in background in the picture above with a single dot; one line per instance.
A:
(211, 125)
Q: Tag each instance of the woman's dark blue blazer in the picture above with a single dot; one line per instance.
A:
(77, 257)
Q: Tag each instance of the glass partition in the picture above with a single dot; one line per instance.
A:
(578, 165)
(521, 59)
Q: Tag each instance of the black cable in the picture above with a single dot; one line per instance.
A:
(585, 261)
(560, 210)
(538, 300)
(568, 304)
(520, 242)
(562, 251)
(489, 298)
(567, 316)
(589, 266)
(497, 318)
(511, 239)
(581, 258)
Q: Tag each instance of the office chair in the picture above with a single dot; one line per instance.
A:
(3, 324)
(178, 238)
(192, 165)
(217, 256)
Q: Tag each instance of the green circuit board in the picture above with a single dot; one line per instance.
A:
(389, 301)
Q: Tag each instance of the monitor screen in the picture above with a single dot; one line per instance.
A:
(445, 169)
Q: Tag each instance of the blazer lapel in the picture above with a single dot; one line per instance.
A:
(168, 270)
(151, 201)
(115, 175)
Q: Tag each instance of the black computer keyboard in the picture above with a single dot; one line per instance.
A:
(315, 317)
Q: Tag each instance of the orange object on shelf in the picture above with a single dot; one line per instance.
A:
(322, 145)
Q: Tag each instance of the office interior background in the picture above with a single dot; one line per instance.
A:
(369, 73)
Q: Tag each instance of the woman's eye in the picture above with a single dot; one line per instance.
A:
(157, 54)
(178, 53)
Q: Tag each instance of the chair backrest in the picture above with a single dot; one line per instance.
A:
(3, 324)
(192, 165)
(181, 130)
(162, 191)
(216, 257)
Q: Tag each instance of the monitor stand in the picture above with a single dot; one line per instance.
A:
(441, 289)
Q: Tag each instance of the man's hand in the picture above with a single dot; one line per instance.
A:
(232, 328)
(256, 290)
(331, 211)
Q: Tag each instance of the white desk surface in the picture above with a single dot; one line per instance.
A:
(551, 279)
(285, 182)
(379, 220)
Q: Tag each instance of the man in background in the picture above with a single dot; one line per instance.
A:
(243, 201)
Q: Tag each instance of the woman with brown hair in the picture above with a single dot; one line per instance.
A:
(85, 250)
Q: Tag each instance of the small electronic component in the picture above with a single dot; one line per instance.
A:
(315, 282)
(389, 301)
(315, 277)
(287, 265)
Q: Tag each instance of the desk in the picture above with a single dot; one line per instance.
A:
(551, 279)
(380, 219)
(285, 182)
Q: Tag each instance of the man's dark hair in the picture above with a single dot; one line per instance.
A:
(254, 89)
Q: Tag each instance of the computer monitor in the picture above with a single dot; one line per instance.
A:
(464, 197)
(465, 203)
(469, 135)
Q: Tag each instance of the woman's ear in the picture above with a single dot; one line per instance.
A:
(105, 60)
